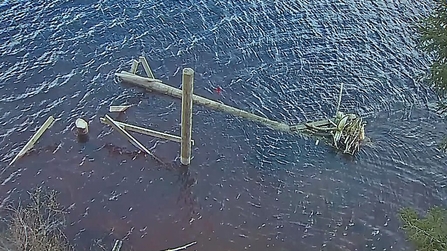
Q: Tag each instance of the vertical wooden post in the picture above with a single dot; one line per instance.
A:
(187, 92)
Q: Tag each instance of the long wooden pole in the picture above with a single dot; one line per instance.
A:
(187, 92)
(159, 86)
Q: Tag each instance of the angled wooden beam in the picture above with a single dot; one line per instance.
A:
(119, 108)
(47, 124)
(129, 137)
(145, 131)
(146, 67)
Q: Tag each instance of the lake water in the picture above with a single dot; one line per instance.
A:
(248, 187)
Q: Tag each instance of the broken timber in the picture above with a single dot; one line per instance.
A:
(157, 85)
(47, 124)
(145, 131)
(129, 137)
(119, 108)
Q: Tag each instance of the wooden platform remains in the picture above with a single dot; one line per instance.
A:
(343, 131)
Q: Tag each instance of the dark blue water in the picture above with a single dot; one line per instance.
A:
(248, 187)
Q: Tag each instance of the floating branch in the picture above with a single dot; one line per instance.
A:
(339, 99)
(129, 137)
(48, 123)
(146, 131)
(182, 247)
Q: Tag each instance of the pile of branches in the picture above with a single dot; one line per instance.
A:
(345, 133)
(348, 133)
(36, 226)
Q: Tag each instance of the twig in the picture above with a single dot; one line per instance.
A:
(339, 99)
(320, 128)
(183, 247)
(117, 246)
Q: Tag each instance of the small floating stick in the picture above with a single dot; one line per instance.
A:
(48, 123)
(183, 247)
(339, 100)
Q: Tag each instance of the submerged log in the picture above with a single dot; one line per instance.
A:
(159, 86)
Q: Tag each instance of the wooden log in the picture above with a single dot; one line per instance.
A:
(158, 86)
(146, 67)
(134, 67)
(129, 137)
(47, 124)
(119, 108)
(186, 117)
(146, 131)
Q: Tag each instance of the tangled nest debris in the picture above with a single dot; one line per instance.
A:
(348, 133)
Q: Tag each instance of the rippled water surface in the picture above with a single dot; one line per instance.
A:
(248, 187)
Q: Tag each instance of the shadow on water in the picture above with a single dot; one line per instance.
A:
(248, 187)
